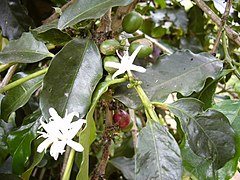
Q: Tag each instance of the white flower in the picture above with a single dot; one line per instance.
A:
(59, 133)
(126, 63)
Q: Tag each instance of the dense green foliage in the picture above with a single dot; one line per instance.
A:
(171, 112)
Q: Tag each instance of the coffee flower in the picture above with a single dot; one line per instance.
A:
(59, 132)
(126, 64)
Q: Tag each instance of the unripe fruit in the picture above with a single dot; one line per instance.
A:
(132, 22)
(146, 50)
(110, 59)
(122, 119)
(109, 47)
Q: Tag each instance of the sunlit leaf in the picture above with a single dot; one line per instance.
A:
(24, 50)
(158, 155)
(72, 78)
(85, 9)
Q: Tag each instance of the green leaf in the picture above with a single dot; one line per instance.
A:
(125, 165)
(5, 128)
(24, 50)
(158, 155)
(88, 134)
(231, 109)
(37, 157)
(161, 3)
(177, 16)
(50, 34)
(209, 133)
(83, 9)
(183, 72)
(198, 166)
(72, 78)
(14, 19)
(19, 96)
(19, 142)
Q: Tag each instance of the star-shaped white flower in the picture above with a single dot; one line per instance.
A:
(126, 64)
(59, 133)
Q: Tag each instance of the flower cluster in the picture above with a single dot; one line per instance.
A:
(59, 133)
(126, 63)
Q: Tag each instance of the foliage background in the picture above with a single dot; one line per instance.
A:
(50, 58)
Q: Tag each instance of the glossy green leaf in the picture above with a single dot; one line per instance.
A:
(84, 9)
(37, 157)
(19, 96)
(14, 19)
(4, 131)
(125, 165)
(200, 167)
(24, 50)
(50, 34)
(209, 133)
(158, 154)
(231, 109)
(177, 16)
(72, 78)
(183, 72)
(19, 142)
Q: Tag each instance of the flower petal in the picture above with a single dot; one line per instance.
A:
(113, 65)
(57, 148)
(75, 127)
(118, 72)
(134, 54)
(54, 114)
(44, 145)
(137, 68)
(76, 146)
(69, 117)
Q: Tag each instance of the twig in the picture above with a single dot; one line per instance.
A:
(233, 35)
(8, 76)
(228, 57)
(55, 15)
(107, 138)
(221, 27)
(106, 22)
(22, 80)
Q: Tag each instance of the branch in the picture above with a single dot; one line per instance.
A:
(221, 27)
(233, 35)
(99, 172)
(8, 76)
(56, 15)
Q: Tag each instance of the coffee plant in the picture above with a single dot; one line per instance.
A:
(119, 89)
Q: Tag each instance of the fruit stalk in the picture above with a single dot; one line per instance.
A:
(145, 100)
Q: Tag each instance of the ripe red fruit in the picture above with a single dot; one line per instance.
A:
(122, 119)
